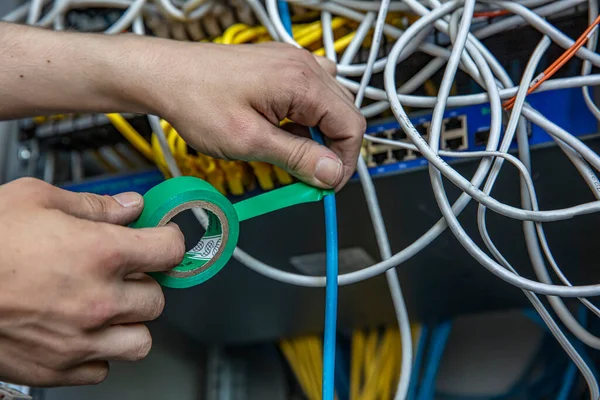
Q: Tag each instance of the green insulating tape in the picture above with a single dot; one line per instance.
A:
(215, 248)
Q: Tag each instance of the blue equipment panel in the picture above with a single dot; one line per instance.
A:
(565, 107)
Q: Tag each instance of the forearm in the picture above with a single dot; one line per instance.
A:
(44, 72)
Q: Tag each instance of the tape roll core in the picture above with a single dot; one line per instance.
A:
(201, 263)
(222, 231)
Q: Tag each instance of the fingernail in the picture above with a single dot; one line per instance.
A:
(129, 199)
(328, 170)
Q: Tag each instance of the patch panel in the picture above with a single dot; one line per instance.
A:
(380, 154)
(454, 133)
(467, 128)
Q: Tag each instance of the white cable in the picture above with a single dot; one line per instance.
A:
(59, 8)
(126, 18)
(172, 10)
(358, 39)
(472, 248)
(35, 10)
(18, 14)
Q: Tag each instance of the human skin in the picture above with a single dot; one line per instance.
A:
(73, 290)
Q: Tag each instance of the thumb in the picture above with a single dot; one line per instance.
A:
(121, 209)
(302, 157)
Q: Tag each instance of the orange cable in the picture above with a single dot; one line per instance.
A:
(556, 65)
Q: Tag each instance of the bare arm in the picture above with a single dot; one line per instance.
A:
(225, 100)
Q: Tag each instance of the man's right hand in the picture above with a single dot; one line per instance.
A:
(74, 293)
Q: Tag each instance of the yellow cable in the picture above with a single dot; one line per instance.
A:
(282, 176)
(181, 148)
(305, 29)
(250, 34)
(339, 45)
(317, 33)
(394, 355)
(357, 357)
(131, 135)
(171, 139)
(306, 357)
(290, 355)
(232, 31)
(376, 365)
(370, 348)
(159, 158)
(431, 88)
(316, 352)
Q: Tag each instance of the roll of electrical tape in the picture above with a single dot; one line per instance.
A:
(214, 250)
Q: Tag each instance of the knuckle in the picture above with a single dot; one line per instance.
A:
(298, 157)
(306, 56)
(108, 254)
(157, 304)
(99, 375)
(95, 204)
(34, 189)
(70, 352)
(144, 345)
(248, 138)
(98, 312)
(43, 378)
(28, 182)
(298, 76)
(112, 257)
(178, 247)
(362, 124)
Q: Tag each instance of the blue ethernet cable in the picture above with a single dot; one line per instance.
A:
(418, 362)
(331, 235)
(570, 375)
(284, 13)
(439, 337)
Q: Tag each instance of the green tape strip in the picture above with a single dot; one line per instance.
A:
(284, 197)
(215, 249)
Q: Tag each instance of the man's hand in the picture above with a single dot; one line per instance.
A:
(225, 100)
(73, 293)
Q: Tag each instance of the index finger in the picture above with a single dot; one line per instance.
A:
(340, 122)
(149, 249)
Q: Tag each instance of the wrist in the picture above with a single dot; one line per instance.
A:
(124, 76)
(158, 75)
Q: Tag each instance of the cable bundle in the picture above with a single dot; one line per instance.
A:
(466, 23)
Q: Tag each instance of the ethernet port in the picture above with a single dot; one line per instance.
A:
(400, 154)
(380, 158)
(455, 143)
(398, 134)
(482, 137)
(453, 123)
(422, 129)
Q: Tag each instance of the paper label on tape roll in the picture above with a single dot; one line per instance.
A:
(207, 248)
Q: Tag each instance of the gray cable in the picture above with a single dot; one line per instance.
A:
(379, 224)
(328, 36)
(472, 248)
(59, 7)
(35, 10)
(358, 39)
(127, 18)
